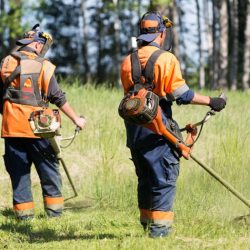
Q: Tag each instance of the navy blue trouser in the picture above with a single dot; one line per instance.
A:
(157, 169)
(20, 153)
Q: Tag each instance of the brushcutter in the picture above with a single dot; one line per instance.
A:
(186, 147)
(46, 123)
(143, 109)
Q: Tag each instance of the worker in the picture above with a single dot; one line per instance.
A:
(28, 83)
(156, 160)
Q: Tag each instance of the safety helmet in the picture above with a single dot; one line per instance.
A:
(152, 24)
(35, 35)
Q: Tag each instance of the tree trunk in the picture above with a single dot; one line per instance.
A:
(84, 42)
(176, 41)
(246, 73)
(99, 31)
(182, 45)
(223, 76)
(117, 24)
(1, 33)
(234, 45)
(139, 9)
(216, 44)
(209, 38)
(201, 58)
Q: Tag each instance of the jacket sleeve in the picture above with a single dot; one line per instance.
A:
(55, 94)
(1, 90)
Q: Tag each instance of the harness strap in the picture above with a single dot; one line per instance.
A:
(149, 68)
(136, 68)
(12, 77)
(147, 72)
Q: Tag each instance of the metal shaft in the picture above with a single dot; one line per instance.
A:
(222, 181)
(69, 178)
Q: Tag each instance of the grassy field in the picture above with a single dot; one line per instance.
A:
(105, 214)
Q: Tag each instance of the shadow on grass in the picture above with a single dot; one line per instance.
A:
(77, 205)
(243, 220)
(8, 212)
(46, 234)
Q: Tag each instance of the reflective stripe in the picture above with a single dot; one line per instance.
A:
(22, 213)
(157, 217)
(24, 206)
(181, 90)
(54, 203)
(53, 200)
(54, 207)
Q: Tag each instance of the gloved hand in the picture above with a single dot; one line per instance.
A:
(217, 103)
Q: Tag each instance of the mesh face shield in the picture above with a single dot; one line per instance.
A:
(47, 44)
(35, 35)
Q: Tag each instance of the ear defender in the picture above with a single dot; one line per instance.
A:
(167, 23)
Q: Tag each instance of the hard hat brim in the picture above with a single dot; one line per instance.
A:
(24, 41)
(147, 37)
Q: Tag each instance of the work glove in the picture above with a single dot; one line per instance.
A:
(217, 103)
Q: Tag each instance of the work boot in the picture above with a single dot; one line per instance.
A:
(145, 226)
(53, 213)
(25, 217)
(158, 231)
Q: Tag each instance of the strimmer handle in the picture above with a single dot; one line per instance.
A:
(223, 96)
(77, 129)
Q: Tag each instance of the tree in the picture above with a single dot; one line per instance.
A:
(246, 67)
(84, 43)
(223, 62)
(201, 59)
(10, 16)
(216, 43)
(180, 29)
(65, 32)
(233, 43)
(242, 23)
(209, 41)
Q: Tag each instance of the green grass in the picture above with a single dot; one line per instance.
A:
(105, 214)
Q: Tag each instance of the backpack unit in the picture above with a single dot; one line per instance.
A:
(28, 92)
(140, 105)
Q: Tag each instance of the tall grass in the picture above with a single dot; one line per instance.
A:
(105, 215)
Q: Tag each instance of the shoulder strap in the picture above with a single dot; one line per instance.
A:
(12, 76)
(149, 68)
(135, 68)
(15, 73)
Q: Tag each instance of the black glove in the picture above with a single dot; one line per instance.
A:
(217, 103)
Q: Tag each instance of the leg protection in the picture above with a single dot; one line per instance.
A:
(18, 164)
(157, 169)
(47, 167)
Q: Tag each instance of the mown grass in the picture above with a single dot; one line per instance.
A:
(105, 215)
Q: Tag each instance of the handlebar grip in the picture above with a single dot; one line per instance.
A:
(77, 130)
(223, 96)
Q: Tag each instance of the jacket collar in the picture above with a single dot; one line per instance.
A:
(28, 49)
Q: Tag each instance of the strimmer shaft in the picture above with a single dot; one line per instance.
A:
(69, 178)
(55, 143)
(222, 181)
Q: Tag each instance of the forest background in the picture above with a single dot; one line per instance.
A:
(211, 40)
(211, 37)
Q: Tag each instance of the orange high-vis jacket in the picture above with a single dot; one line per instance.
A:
(168, 79)
(15, 116)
